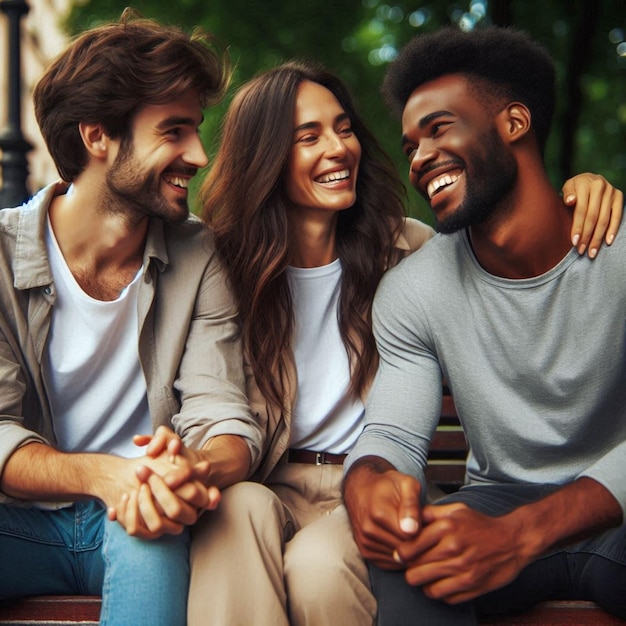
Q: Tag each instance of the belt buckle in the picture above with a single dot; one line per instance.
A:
(320, 458)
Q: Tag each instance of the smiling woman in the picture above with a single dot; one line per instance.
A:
(307, 218)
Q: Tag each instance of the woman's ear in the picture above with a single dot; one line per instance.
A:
(94, 138)
(514, 122)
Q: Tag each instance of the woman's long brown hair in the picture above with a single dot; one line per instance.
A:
(245, 203)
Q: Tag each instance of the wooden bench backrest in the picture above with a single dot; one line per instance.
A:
(448, 449)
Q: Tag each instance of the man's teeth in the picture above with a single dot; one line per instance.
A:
(437, 183)
(334, 176)
(178, 181)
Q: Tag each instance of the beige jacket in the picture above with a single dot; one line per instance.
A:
(189, 344)
(277, 422)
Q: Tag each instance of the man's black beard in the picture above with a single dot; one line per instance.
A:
(490, 175)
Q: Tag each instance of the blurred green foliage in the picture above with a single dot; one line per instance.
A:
(357, 39)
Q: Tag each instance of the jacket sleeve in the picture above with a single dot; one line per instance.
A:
(210, 380)
(13, 433)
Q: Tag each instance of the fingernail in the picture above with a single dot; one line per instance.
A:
(582, 249)
(397, 558)
(575, 240)
(609, 239)
(570, 198)
(408, 525)
(592, 253)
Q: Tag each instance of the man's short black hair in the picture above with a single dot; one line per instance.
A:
(503, 64)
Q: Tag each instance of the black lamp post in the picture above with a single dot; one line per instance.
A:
(13, 145)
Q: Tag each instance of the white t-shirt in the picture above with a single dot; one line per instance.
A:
(325, 417)
(91, 366)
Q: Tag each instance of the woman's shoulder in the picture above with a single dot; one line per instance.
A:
(413, 235)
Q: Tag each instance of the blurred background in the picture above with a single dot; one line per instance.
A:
(357, 39)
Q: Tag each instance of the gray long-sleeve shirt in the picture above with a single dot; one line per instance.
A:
(537, 367)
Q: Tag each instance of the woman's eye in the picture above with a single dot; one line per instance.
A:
(306, 139)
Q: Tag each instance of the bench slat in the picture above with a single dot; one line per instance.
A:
(560, 613)
(51, 610)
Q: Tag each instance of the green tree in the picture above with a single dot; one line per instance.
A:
(357, 39)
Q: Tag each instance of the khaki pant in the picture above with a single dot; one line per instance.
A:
(281, 554)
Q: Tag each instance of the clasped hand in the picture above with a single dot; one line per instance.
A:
(453, 552)
(169, 490)
(460, 553)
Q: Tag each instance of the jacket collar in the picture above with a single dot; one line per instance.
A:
(30, 264)
(31, 267)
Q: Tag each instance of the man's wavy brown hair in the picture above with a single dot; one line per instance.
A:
(109, 72)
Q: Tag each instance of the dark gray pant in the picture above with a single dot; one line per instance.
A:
(594, 569)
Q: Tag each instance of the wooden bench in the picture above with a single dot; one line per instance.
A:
(446, 470)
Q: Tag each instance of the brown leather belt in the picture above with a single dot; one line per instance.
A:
(315, 458)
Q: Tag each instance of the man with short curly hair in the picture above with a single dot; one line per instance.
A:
(530, 337)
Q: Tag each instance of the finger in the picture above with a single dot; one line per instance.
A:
(147, 522)
(142, 440)
(429, 571)
(570, 198)
(602, 224)
(202, 471)
(376, 546)
(588, 206)
(432, 513)
(159, 442)
(385, 559)
(143, 472)
(149, 515)
(174, 447)
(378, 536)
(215, 495)
(408, 509)
(131, 518)
(193, 493)
(617, 208)
(174, 508)
(179, 475)
(433, 541)
(593, 200)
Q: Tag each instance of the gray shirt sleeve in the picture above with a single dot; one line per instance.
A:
(404, 404)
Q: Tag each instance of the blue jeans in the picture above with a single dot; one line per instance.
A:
(593, 569)
(77, 550)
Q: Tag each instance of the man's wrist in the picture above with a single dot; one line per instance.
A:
(572, 512)
(229, 457)
(364, 470)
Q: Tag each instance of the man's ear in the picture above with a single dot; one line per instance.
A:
(94, 138)
(514, 122)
